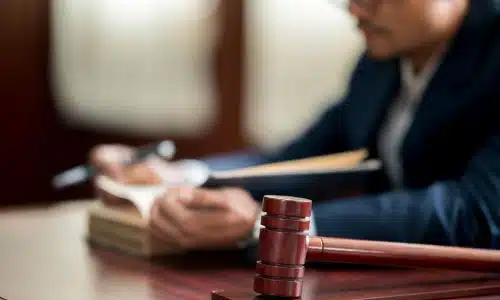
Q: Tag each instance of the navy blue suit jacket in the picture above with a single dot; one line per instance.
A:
(451, 154)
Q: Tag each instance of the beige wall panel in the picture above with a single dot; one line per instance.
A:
(300, 56)
(135, 66)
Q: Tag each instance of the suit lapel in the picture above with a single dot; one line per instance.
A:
(376, 96)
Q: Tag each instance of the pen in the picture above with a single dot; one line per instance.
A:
(82, 173)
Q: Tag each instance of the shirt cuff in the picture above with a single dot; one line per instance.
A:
(312, 226)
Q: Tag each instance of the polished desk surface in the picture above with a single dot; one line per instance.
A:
(44, 255)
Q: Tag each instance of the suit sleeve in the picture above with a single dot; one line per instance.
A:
(463, 212)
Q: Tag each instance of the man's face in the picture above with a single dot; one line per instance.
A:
(398, 27)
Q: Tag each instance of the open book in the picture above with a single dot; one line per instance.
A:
(125, 227)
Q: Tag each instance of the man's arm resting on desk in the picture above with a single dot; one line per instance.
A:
(463, 212)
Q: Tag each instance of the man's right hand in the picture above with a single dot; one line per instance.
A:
(111, 160)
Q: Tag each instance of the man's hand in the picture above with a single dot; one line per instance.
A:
(111, 160)
(196, 218)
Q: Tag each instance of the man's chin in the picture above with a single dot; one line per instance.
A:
(380, 54)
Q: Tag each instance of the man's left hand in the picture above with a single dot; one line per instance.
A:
(197, 218)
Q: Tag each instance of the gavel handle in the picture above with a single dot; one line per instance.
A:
(323, 249)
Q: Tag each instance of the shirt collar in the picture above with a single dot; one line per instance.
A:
(413, 83)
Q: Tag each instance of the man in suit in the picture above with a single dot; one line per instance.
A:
(424, 98)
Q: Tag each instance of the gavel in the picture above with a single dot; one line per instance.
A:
(285, 246)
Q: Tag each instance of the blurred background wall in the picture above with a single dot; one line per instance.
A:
(299, 56)
(212, 75)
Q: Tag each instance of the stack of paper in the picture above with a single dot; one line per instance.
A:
(125, 227)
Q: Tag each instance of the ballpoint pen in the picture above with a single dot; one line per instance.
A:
(79, 174)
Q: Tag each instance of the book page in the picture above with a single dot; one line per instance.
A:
(141, 196)
(174, 174)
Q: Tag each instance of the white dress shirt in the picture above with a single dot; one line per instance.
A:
(400, 116)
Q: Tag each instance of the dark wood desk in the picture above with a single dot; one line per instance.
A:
(44, 255)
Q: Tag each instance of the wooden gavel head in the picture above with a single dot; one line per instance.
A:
(283, 244)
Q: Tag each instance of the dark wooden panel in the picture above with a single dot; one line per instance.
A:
(27, 117)
(230, 61)
(44, 255)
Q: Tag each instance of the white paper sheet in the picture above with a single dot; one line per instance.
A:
(142, 197)
(175, 174)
